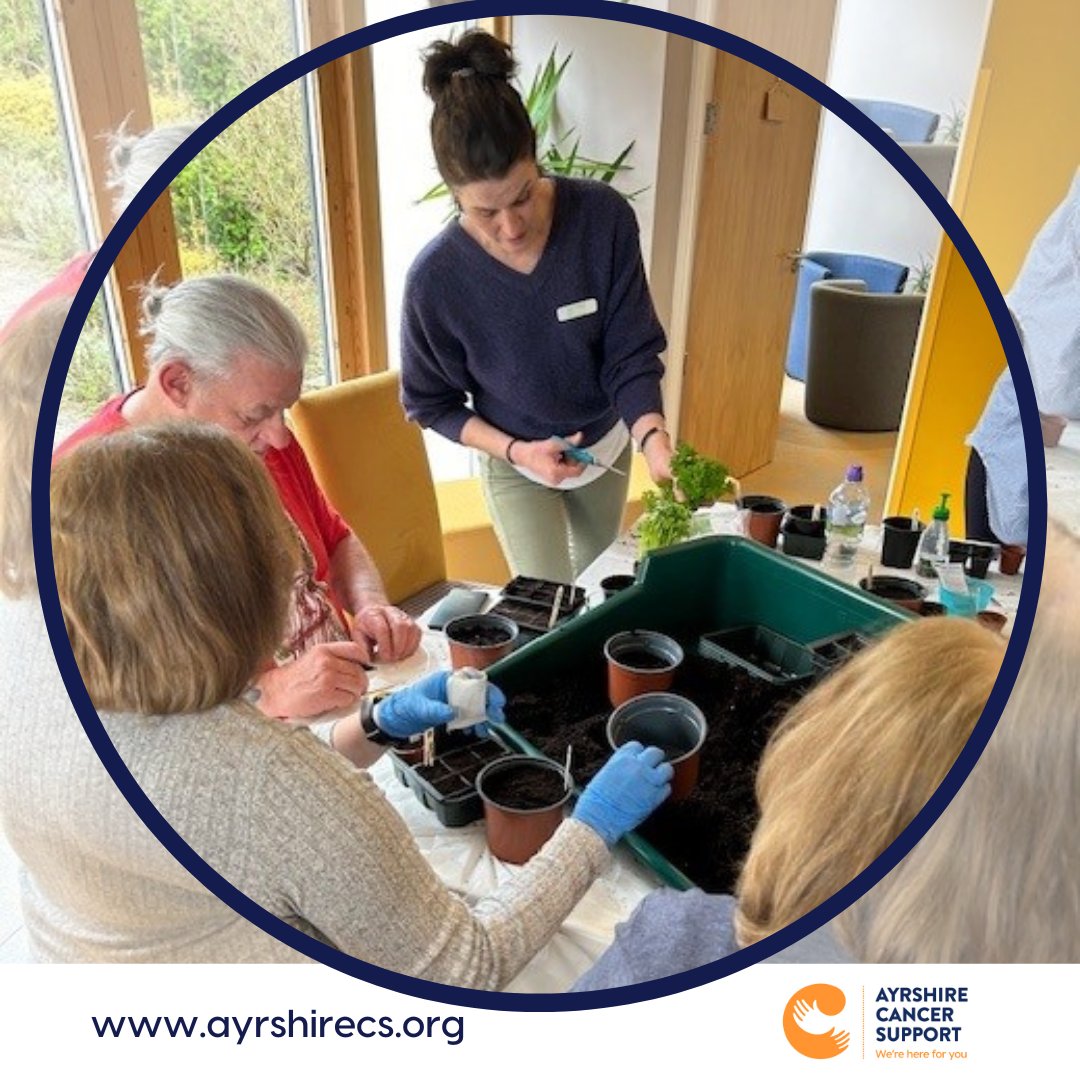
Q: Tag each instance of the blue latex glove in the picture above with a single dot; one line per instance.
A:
(423, 705)
(634, 781)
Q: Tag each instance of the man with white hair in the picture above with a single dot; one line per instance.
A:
(224, 350)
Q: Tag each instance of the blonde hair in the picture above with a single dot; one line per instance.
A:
(25, 355)
(995, 879)
(853, 763)
(174, 561)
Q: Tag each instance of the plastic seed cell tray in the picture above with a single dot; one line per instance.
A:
(447, 787)
(763, 653)
(529, 602)
(833, 651)
(542, 594)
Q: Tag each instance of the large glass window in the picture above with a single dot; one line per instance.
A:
(245, 204)
(40, 227)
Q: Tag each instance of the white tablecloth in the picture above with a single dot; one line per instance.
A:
(724, 520)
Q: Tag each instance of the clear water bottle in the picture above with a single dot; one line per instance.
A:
(933, 548)
(849, 506)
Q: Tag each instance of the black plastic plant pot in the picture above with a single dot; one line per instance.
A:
(980, 556)
(801, 545)
(900, 590)
(616, 583)
(804, 520)
(899, 541)
(673, 723)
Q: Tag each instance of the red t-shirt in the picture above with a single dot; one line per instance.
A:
(64, 284)
(321, 526)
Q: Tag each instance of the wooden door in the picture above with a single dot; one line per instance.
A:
(758, 163)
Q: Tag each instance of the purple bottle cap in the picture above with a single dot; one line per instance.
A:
(854, 473)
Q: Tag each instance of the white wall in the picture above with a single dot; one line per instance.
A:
(920, 52)
(611, 93)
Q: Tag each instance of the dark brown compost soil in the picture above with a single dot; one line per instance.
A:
(480, 634)
(707, 835)
(524, 787)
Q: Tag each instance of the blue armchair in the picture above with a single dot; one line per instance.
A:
(880, 275)
(906, 123)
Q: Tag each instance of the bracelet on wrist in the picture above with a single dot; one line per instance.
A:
(509, 447)
(648, 435)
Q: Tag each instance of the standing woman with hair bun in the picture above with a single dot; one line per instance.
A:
(527, 319)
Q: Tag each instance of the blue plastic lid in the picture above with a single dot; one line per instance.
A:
(854, 473)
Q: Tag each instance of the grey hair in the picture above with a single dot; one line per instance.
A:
(209, 322)
(133, 159)
(994, 880)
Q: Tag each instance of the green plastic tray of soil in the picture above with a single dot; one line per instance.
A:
(763, 652)
(447, 787)
(686, 591)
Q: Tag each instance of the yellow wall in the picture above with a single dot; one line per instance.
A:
(1021, 149)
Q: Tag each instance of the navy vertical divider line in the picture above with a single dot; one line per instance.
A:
(418, 20)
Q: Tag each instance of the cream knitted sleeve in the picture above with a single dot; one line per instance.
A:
(329, 853)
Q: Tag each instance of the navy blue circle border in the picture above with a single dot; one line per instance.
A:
(662, 21)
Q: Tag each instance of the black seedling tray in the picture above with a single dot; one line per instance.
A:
(833, 651)
(763, 652)
(529, 601)
(448, 786)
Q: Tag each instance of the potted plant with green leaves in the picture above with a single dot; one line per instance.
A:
(670, 510)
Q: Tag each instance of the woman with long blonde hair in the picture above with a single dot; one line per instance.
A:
(997, 878)
(847, 769)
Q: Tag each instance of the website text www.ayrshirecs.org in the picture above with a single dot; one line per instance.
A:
(293, 1025)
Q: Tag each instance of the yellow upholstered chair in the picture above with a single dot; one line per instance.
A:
(371, 463)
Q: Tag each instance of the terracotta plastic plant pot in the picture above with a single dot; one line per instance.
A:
(669, 721)
(615, 583)
(477, 641)
(762, 515)
(524, 798)
(1053, 427)
(992, 620)
(899, 541)
(1012, 555)
(639, 662)
(903, 591)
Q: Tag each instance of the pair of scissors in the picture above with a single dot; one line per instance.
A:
(575, 453)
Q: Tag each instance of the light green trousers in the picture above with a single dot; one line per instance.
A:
(551, 533)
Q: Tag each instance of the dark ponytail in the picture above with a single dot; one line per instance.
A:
(480, 127)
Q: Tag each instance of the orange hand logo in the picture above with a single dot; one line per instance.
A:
(808, 1022)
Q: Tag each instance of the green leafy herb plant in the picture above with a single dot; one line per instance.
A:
(669, 510)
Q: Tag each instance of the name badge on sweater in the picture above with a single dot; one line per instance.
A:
(577, 310)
